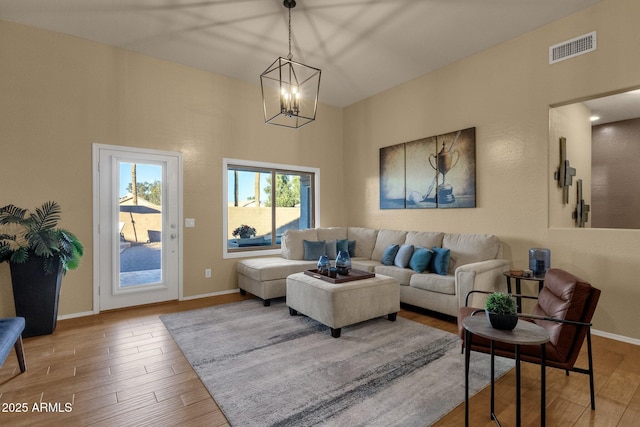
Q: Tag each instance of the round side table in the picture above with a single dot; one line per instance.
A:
(525, 333)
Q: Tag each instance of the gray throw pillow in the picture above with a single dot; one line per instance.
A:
(313, 250)
(403, 256)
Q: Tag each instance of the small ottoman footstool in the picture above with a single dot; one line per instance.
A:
(342, 304)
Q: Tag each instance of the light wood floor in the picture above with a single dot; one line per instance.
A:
(123, 368)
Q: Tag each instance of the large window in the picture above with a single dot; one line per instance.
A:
(262, 200)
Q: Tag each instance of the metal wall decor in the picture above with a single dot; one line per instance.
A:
(434, 172)
(565, 173)
(581, 214)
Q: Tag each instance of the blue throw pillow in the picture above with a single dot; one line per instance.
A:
(342, 245)
(389, 254)
(352, 248)
(331, 251)
(420, 259)
(403, 256)
(440, 261)
(313, 250)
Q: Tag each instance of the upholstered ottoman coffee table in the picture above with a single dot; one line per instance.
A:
(341, 304)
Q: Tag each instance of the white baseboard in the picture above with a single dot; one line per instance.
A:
(615, 337)
(212, 294)
(74, 315)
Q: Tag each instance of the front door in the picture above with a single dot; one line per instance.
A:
(137, 238)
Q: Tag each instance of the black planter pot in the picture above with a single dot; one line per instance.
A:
(36, 296)
(505, 322)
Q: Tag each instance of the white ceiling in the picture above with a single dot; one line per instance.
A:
(613, 108)
(362, 46)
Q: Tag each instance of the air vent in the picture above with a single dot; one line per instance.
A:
(573, 47)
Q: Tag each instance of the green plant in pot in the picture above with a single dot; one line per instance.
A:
(38, 253)
(501, 311)
(244, 231)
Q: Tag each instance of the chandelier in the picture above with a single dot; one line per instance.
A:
(290, 89)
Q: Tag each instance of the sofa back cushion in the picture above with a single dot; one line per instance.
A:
(426, 239)
(468, 248)
(384, 239)
(292, 242)
(332, 233)
(365, 239)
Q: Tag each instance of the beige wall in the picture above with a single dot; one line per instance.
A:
(60, 94)
(573, 123)
(505, 92)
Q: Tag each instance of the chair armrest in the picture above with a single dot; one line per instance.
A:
(484, 275)
(553, 319)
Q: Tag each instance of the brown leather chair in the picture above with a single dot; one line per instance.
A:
(565, 308)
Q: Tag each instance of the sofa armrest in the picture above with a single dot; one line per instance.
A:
(484, 275)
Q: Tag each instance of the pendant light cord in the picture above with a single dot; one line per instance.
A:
(290, 56)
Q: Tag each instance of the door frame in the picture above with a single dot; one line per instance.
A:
(96, 148)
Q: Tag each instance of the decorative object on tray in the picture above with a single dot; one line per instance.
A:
(324, 265)
(501, 311)
(343, 263)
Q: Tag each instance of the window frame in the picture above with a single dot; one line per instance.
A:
(272, 167)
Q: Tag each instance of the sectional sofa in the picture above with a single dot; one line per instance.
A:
(474, 262)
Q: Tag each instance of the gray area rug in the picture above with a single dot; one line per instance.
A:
(266, 368)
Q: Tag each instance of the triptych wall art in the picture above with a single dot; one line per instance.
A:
(434, 172)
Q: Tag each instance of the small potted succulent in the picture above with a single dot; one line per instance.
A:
(501, 311)
(244, 231)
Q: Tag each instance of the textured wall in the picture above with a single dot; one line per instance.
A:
(60, 94)
(505, 92)
(616, 174)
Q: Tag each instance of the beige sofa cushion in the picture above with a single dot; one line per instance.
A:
(365, 240)
(426, 239)
(434, 283)
(333, 233)
(384, 239)
(292, 242)
(402, 275)
(364, 264)
(272, 268)
(468, 248)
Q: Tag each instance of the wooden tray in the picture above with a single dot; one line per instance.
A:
(353, 275)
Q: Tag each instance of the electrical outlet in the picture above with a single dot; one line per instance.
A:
(207, 273)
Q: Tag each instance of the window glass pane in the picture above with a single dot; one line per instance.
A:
(293, 202)
(249, 221)
(263, 202)
(140, 224)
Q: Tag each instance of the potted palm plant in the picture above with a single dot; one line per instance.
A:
(38, 253)
(501, 311)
